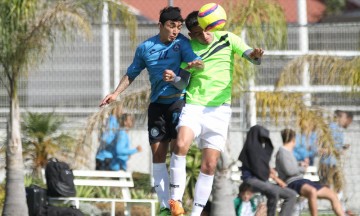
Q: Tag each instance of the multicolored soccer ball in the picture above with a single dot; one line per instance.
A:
(212, 17)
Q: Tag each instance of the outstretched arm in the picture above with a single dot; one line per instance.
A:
(181, 81)
(254, 55)
(124, 83)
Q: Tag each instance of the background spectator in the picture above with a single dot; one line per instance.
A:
(116, 149)
(245, 204)
(105, 155)
(122, 149)
(290, 172)
(329, 172)
(255, 157)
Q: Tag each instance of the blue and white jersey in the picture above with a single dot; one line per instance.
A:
(156, 56)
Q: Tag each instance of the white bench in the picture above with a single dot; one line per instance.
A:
(312, 174)
(95, 178)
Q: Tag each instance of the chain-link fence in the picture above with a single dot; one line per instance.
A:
(69, 80)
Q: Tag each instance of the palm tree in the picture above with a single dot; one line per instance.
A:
(264, 24)
(27, 30)
(290, 107)
(41, 139)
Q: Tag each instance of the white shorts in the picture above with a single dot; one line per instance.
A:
(209, 124)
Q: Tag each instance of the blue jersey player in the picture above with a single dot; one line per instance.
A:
(163, 51)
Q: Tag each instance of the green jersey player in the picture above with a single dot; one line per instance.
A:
(207, 111)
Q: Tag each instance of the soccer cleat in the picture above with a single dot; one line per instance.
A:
(164, 212)
(176, 208)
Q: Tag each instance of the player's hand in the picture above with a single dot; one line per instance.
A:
(139, 148)
(108, 99)
(282, 183)
(261, 209)
(168, 75)
(256, 53)
(199, 64)
(346, 146)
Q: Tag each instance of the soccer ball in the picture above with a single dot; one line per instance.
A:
(212, 17)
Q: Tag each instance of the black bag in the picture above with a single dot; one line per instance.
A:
(36, 199)
(60, 211)
(59, 179)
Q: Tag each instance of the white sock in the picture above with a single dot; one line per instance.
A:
(340, 195)
(203, 189)
(161, 183)
(177, 176)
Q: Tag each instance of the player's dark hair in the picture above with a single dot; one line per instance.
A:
(349, 114)
(191, 20)
(338, 113)
(287, 135)
(245, 187)
(123, 118)
(170, 13)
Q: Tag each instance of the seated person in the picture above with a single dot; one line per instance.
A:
(255, 157)
(289, 171)
(245, 204)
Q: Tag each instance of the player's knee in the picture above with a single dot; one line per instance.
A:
(313, 191)
(158, 157)
(208, 167)
(310, 192)
(181, 147)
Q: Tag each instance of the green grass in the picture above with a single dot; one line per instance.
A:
(320, 213)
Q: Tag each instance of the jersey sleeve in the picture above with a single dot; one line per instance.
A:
(137, 65)
(238, 45)
(187, 54)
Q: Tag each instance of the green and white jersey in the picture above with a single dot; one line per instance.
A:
(212, 85)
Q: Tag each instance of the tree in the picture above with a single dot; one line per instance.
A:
(290, 107)
(334, 6)
(264, 25)
(43, 139)
(28, 28)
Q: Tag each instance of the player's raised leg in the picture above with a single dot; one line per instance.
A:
(178, 169)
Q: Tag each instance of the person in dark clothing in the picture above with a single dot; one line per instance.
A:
(255, 157)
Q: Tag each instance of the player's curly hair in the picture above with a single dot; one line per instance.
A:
(170, 13)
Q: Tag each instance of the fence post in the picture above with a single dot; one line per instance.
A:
(113, 208)
(116, 56)
(105, 51)
(304, 47)
(251, 106)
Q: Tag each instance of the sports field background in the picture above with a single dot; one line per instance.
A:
(68, 82)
